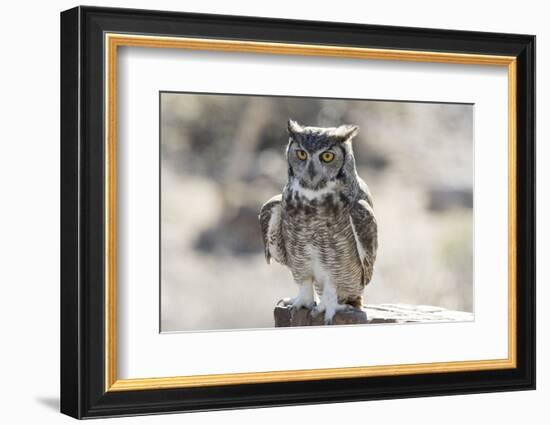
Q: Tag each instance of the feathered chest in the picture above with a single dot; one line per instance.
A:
(315, 215)
(319, 237)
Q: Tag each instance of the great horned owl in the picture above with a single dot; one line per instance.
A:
(322, 227)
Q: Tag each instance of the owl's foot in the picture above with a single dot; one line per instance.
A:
(332, 309)
(304, 299)
(318, 309)
(297, 303)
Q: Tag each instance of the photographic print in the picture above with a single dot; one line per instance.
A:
(293, 211)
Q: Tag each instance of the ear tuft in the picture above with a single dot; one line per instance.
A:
(293, 127)
(346, 132)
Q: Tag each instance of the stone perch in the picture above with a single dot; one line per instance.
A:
(371, 314)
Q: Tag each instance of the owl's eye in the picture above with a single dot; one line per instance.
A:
(302, 155)
(327, 156)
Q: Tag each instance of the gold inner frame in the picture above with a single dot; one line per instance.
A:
(113, 41)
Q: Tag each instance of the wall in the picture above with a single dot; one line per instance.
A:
(29, 224)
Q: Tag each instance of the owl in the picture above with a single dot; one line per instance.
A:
(322, 226)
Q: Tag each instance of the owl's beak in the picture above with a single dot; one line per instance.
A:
(311, 170)
(311, 176)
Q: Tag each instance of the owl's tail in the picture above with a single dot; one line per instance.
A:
(356, 302)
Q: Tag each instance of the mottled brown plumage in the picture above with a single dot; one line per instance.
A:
(322, 227)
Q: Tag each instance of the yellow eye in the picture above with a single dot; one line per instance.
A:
(327, 156)
(302, 155)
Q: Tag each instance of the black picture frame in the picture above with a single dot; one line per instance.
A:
(83, 392)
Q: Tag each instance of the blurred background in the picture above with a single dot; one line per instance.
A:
(222, 157)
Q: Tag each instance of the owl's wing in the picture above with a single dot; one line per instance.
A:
(270, 223)
(364, 191)
(365, 231)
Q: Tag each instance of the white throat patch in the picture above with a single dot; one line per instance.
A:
(311, 193)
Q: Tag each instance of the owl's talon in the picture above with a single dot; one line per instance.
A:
(308, 305)
(296, 304)
(328, 319)
(285, 302)
(317, 310)
(329, 316)
(294, 308)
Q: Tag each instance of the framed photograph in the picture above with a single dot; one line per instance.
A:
(261, 212)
